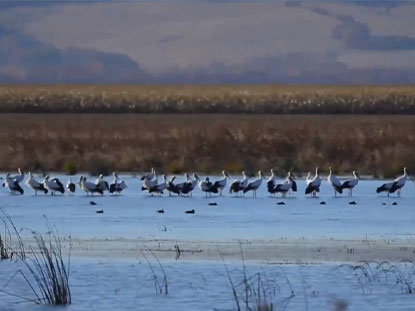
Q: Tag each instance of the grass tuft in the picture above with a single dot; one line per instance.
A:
(45, 272)
(258, 292)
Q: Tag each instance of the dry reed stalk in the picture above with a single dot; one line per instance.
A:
(376, 145)
(45, 272)
(207, 99)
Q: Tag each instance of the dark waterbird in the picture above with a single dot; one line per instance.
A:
(192, 211)
(239, 185)
(70, 186)
(171, 187)
(207, 186)
(313, 185)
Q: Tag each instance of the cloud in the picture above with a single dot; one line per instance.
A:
(357, 35)
(208, 42)
(293, 68)
(25, 59)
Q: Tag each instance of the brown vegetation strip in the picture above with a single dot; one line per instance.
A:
(208, 99)
(378, 145)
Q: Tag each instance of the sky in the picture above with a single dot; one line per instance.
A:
(216, 41)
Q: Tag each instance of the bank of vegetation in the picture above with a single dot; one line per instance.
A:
(375, 145)
(252, 99)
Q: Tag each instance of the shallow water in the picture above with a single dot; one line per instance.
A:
(128, 285)
(106, 283)
(133, 214)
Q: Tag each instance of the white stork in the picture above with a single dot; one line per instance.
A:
(53, 185)
(239, 185)
(351, 183)
(35, 185)
(254, 185)
(335, 183)
(396, 185)
(314, 185)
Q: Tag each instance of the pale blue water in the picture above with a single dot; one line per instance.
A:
(133, 214)
(128, 285)
(114, 284)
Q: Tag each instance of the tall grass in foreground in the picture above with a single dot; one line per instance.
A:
(376, 145)
(258, 292)
(160, 282)
(276, 99)
(369, 273)
(11, 243)
(45, 272)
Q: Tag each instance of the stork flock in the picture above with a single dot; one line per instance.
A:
(54, 185)
(241, 186)
(237, 187)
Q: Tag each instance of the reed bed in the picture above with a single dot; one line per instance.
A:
(369, 274)
(44, 271)
(376, 145)
(274, 99)
(259, 291)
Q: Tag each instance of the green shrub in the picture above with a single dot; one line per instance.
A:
(70, 167)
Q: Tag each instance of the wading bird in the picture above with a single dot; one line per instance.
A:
(239, 185)
(221, 183)
(271, 182)
(182, 184)
(172, 188)
(102, 184)
(159, 188)
(314, 184)
(254, 185)
(208, 187)
(70, 186)
(35, 185)
(396, 185)
(351, 183)
(335, 183)
(286, 186)
(149, 180)
(89, 187)
(19, 177)
(189, 185)
(53, 185)
(13, 185)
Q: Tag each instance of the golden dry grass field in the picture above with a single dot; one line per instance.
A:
(378, 145)
(208, 99)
